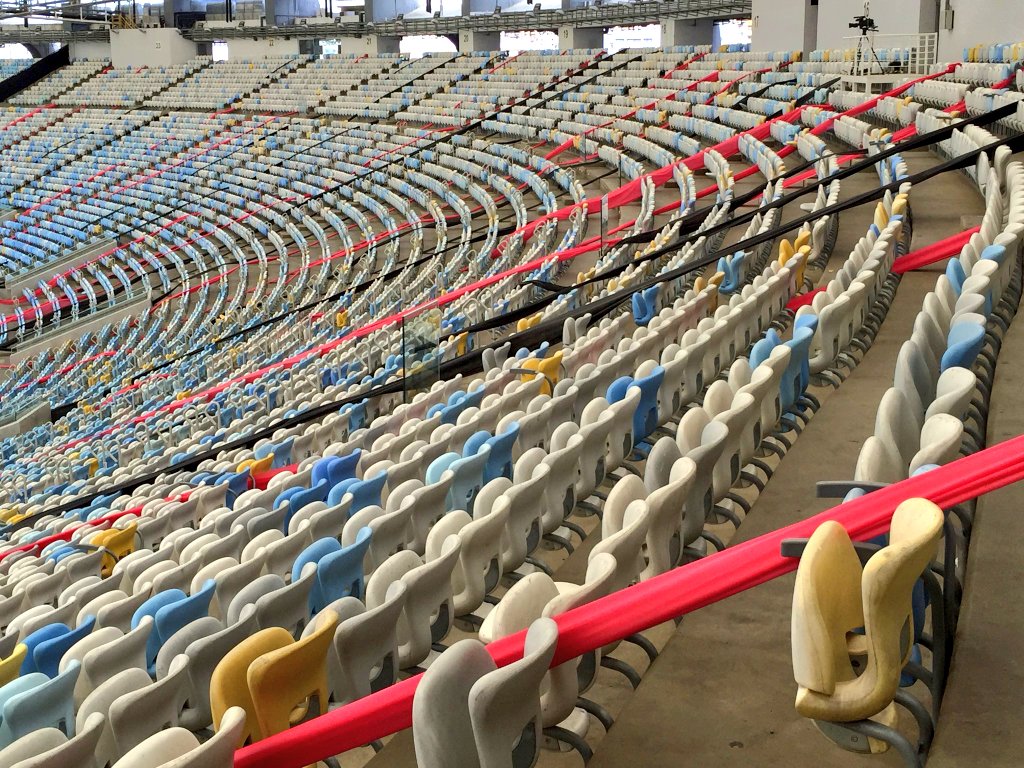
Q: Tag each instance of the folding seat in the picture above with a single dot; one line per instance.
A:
(876, 596)
(41, 615)
(286, 678)
(133, 704)
(50, 748)
(479, 568)
(10, 665)
(277, 604)
(204, 653)
(229, 684)
(35, 701)
(46, 652)
(466, 712)
(704, 442)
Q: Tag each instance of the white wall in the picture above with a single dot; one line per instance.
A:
(152, 47)
(892, 16)
(88, 49)
(980, 21)
(686, 32)
(368, 44)
(580, 37)
(247, 49)
(781, 25)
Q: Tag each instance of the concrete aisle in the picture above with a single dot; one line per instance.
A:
(979, 723)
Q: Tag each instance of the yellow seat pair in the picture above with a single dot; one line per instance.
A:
(273, 678)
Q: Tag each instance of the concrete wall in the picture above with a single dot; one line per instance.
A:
(686, 32)
(980, 21)
(783, 25)
(892, 17)
(470, 41)
(153, 47)
(368, 44)
(580, 37)
(90, 49)
(247, 49)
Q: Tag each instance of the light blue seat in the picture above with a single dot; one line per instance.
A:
(298, 498)
(963, 344)
(151, 607)
(17, 687)
(732, 266)
(46, 704)
(499, 460)
(957, 276)
(440, 465)
(795, 380)
(468, 478)
(762, 348)
(340, 573)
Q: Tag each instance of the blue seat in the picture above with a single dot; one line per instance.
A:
(797, 374)
(645, 418)
(732, 266)
(499, 460)
(150, 608)
(174, 616)
(955, 273)
(762, 348)
(963, 344)
(340, 573)
(364, 492)
(48, 653)
(440, 465)
(298, 498)
(645, 304)
(37, 638)
(336, 468)
(468, 478)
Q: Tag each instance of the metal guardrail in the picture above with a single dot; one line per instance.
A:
(619, 14)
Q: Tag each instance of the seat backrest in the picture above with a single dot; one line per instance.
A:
(833, 596)
(504, 705)
(139, 714)
(77, 752)
(51, 704)
(284, 678)
(441, 726)
(229, 685)
(367, 647)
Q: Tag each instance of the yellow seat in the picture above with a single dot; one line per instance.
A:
(256, 466)
(283, 682)
(229, 684)
(834, 595)
(881, 218)
(10, 667)
(528, 322)
(117, 542)
(803, 239)
(804, 251)
(549, 367)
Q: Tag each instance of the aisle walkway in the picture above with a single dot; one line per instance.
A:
(979, 723)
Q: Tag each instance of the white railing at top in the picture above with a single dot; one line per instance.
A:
(875, 54)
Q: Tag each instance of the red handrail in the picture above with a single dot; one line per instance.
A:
(649, 603)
